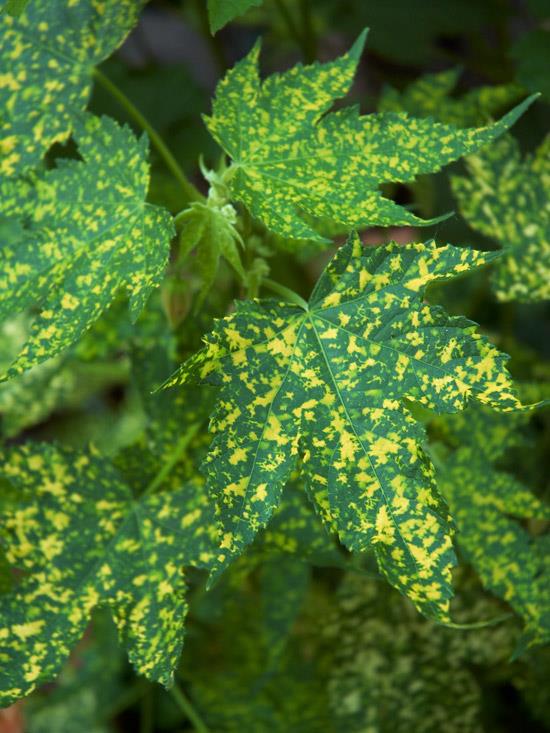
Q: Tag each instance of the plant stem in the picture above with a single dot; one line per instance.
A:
(293, 31)
(480, 624)
(177, 453)
(186, 706)
(286, 293)
(191, 193)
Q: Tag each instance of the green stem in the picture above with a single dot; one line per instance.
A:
(186, 706)
(480, 624)
(177, 453)
(286, 293)
(293, 31)
(191, 193)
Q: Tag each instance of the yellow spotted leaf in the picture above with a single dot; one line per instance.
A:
(82, 540)
(430, 96)
(88, 233)
(329, 381)
(47, 55)
(486, 504)
(293, 159)
(506, 198)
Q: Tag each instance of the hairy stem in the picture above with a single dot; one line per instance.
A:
(286, 293)
(190, 192)
(187, 708)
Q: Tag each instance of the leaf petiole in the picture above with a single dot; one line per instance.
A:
(286, 293)
(187, 708)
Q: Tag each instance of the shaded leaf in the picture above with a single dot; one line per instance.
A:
(532, 55)
(83, 540)
(486, 504)
(221, 12)
(506, 198)
(394, 672)
(429, 96)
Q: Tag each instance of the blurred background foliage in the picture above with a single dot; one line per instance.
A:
(298, 637)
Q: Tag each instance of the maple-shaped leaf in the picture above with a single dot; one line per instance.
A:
(329, 380)
(89, 685)
(47, 56)
(506, 198)
(90, 234)
(430, 96)
(81, 540)
(290, 157)
(210, 230)
(220, 12)
(486, 503)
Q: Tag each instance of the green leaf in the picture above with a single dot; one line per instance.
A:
(210, 230)
(393, 672)
(429, 96)
(82, 540)
(47, 58)
(249, 671)
(221, 12)
(296, 529)
(506, 198)
(78, 250)
(290, 157)
(329, 383)
(485, 504)
(15, 7)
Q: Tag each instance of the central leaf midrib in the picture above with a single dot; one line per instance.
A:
(350, 421)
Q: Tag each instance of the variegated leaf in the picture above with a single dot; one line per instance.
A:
(290, 157)
(430, 96)
(507, 199)
(486, 505)
(91, 233)
(82, 540)
(47, 56)
(329, 381)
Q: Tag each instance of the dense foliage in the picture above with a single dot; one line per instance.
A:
(261, 442)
